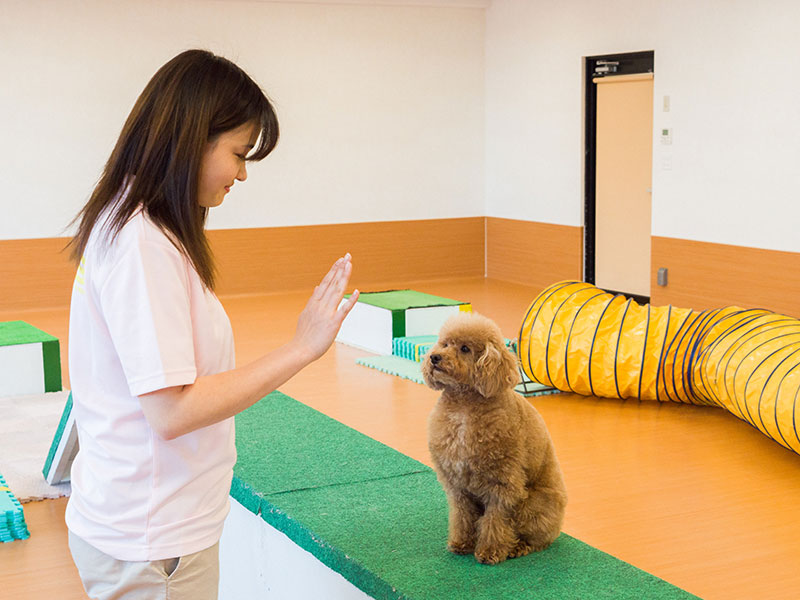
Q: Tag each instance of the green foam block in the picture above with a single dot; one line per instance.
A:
(413, 347)
(12, 517)
(379, 518)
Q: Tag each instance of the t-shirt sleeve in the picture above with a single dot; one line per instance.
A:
(145, 301)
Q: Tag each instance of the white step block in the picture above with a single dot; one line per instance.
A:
(379, 317)
(30, 360)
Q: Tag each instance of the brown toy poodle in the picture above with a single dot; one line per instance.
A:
(491, 449)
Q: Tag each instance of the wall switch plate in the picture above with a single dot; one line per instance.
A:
(661, 277)
(666, 103)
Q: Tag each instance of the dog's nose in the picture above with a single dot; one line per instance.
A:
(435, 358)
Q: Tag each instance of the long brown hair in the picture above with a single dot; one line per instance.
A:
(188, 103)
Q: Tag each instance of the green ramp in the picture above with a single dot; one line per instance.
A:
(63, 448)
(379, 518)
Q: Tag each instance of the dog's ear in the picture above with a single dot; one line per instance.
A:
(496, 370)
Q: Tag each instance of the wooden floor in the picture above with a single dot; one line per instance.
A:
(690, 494)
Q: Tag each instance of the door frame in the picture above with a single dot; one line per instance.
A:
(627, 64)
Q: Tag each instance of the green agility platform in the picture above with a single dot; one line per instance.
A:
(30, 361)
(379, 317)
(379, 518)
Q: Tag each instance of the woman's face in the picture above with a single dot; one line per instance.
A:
(223, 163)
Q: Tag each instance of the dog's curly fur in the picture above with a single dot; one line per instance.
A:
(491, 449)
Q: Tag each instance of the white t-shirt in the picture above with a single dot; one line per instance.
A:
(141, 320)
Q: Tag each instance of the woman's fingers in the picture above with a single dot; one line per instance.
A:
(320, 290)
(348, 306)
(322, 317)
(333, 285)
(335, 291)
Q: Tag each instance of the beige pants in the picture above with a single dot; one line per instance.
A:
(191, 577)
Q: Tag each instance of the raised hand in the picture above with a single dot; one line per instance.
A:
(321, 319)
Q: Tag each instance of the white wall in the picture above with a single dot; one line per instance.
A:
(732, 72)
(381, 106)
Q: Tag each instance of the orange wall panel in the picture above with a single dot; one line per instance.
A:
(531, 253)
(36, 274)
(264, 260)
(704, 275)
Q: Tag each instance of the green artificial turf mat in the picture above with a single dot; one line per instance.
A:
(379, 518)
(306, 450)
(390, 538)
(20, 332)
(403, 299)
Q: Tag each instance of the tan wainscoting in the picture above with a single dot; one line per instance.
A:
(258, 261)
(531, 253)
(704, 275)
(36, 274)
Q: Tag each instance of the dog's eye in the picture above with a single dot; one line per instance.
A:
(465, 348)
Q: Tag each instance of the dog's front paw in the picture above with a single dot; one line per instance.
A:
(491, 556)
(521, 549)
(460, 547)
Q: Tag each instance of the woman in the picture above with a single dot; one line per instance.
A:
(151, 349)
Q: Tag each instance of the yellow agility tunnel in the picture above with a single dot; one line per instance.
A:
(578, 338)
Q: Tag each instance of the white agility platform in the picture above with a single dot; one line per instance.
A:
(30, 361)
(373, 323)
(21, 368)
(258, 561)
(367, 328)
